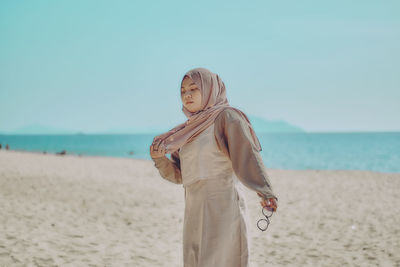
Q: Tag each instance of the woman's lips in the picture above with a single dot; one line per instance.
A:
(189, 102)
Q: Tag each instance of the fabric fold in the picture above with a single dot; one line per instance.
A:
(235, 140)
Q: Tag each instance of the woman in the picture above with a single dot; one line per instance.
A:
(211, 153)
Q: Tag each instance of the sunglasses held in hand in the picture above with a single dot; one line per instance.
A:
(262, 224)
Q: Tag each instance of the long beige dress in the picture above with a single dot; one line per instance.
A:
(213, 168)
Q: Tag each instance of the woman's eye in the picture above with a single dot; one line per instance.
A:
(192, 90)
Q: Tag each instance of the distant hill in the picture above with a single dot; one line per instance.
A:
(261, 125)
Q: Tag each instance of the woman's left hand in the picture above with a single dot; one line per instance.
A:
(269, 203)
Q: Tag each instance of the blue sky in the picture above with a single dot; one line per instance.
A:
(92, 66)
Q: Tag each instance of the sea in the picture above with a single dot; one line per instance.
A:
(379, 151)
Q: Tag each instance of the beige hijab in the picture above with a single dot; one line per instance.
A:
(213, 102)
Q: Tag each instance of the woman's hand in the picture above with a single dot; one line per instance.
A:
(157, 153)
(269, 203)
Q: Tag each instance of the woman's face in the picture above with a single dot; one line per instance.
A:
(191, 95)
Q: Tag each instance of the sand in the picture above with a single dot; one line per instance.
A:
(99, 211)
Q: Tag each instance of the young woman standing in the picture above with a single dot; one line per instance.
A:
(212, 154)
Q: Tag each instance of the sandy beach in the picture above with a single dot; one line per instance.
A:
(100, 211)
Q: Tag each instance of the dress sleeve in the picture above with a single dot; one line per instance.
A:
(234, 138)
(169, 169)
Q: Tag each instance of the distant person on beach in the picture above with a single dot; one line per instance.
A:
(212, 154)
(7, 147)
(0, 146)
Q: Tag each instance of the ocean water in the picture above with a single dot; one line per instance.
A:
(294, 151)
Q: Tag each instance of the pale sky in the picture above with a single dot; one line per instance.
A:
(92, 66)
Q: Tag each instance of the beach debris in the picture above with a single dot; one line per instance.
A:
(63, 152)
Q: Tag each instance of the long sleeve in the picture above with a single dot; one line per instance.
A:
(169, 169)
(233, 138)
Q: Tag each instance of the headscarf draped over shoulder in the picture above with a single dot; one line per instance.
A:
(213, 102)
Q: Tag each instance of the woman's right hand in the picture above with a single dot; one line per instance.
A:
(157, 153)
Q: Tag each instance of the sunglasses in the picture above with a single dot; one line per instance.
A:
(262, 224)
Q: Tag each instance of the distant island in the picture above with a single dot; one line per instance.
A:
(260, 125)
